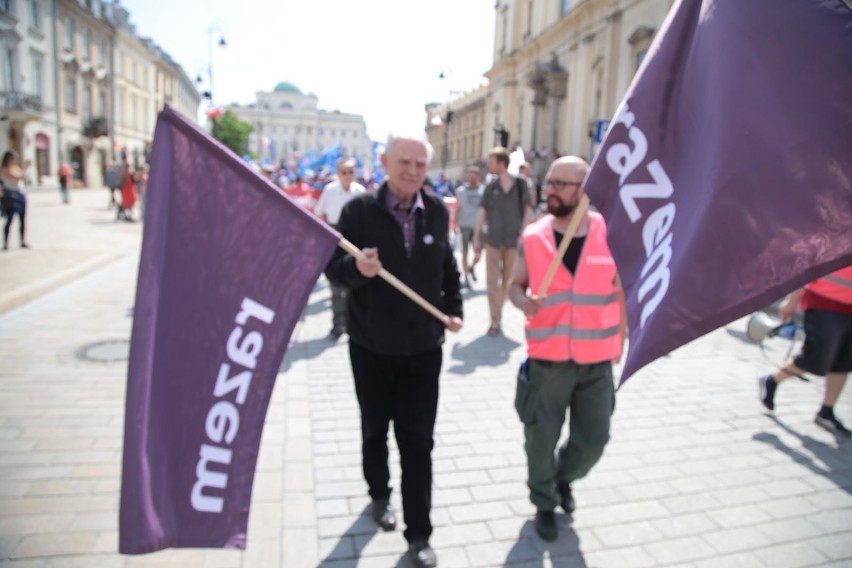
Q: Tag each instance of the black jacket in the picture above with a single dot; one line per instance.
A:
(379, 317)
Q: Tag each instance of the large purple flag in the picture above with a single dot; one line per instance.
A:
(227, 265)
(726, 175)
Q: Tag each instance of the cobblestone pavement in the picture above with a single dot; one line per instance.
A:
(695, 475)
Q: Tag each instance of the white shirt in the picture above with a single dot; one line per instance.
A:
(334, 197)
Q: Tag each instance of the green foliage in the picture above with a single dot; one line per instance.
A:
(232, 132)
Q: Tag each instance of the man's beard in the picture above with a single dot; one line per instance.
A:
(559, 208)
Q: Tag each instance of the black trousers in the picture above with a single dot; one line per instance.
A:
(403, 389)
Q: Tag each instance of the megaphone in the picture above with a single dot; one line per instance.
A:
(762, 326)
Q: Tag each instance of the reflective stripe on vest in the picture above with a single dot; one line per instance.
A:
(579, 317)
(568, 331)
(836, 286)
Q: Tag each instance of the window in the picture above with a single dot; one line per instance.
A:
(102, 110)
(134, 117)
(68, 41)
(505, 31)
(87, 40)
(529, 18)
(35, 15)
(6, 6)
(87, 102)
(70, 94)
(566, 7)
(9, 69)
(640, 57)
(38, 75)
(101, 51)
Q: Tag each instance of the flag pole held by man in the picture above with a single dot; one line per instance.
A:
(724, 178)
(223, 278)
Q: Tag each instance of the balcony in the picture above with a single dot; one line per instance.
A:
(96, 127)
(20, 106)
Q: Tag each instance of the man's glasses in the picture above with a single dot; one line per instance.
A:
(559, 184)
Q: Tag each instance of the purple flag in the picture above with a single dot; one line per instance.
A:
(726, 174)
(227, 265)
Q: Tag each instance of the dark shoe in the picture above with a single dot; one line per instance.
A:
(545, 525)
(25, 246)
(767, 387)
(383, 514)
(422, 554)
(567, 497)
(832, 424)
(335, 334)
(472, 275)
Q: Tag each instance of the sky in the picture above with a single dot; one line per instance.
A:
(378, 58)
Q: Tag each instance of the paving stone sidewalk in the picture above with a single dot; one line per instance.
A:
(695, 475)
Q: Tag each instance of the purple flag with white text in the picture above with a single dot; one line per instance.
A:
(226, 268)
(726, 174)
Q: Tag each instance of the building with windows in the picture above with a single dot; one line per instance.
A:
(78, 85)
(288, 123)
(561, 68)
(84, 77)
(457, 132)
(28, 120)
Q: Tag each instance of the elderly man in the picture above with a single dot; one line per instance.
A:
(334, 196)
(394, 345)
(573, 335)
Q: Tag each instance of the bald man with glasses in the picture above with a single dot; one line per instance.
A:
(573, 335)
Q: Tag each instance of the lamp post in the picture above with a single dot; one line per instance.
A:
(216, 28)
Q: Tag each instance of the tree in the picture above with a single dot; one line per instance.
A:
(232, 132)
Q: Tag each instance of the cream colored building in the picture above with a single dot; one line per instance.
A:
(28, 114)
(173, 86)
(135, 91)
(461, 141)
(561, 68)
(84, 78)
(287, 121)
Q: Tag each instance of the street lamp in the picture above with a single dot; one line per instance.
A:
(216, 28)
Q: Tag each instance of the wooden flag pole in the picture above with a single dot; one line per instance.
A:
(579, 214)
(397, 283)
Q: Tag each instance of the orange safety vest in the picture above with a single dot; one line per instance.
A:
(580, 316)
(836, 286)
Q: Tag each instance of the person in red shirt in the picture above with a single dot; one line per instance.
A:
(827, 350)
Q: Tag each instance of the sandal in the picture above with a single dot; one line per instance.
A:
(494, 329)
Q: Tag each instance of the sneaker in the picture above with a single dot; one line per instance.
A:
(767, 391)
(567, 497)
(545, 525)
(832, 424)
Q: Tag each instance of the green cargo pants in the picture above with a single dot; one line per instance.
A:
(554, 388)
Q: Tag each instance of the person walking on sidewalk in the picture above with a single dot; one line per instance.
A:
(827, 349)
(394, 345)
(573, 336)
(468, 198)
(505, 209)
(14, 197)
(334, 196)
